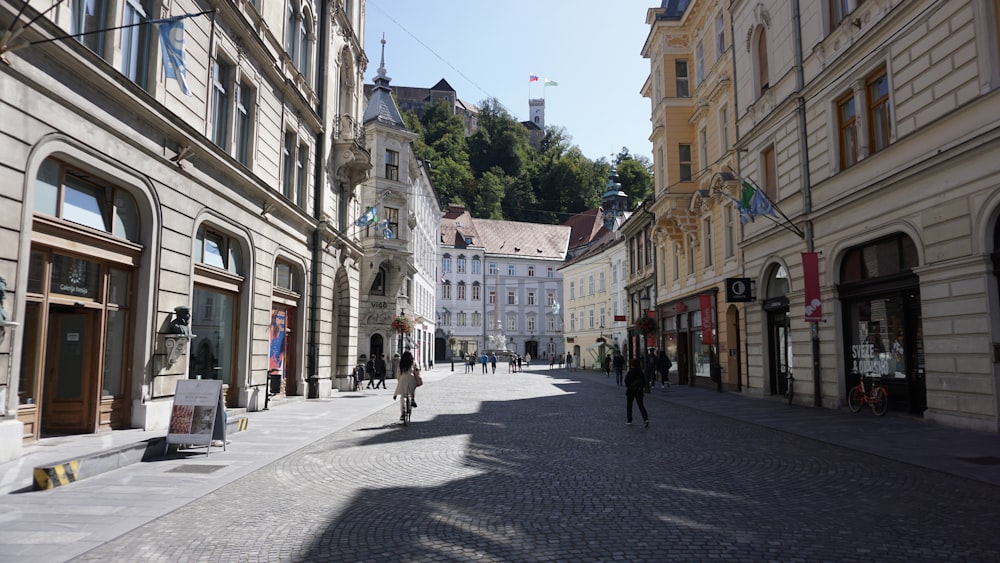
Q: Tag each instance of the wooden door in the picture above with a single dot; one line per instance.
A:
(68, 405)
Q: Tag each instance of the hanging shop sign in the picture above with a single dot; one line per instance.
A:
(738, 290)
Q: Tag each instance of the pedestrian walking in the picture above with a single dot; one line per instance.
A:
(635, 384)
(607, 365)
(370, 372)
(527, 360)
(519, 360)
(380, 370)
(569, 361)
(470, 364)
(619, 362)
(663, 365)
(649, 368)
(493, 361)
(561, 359)
(511, 363)
(483, 360)
(552, 361)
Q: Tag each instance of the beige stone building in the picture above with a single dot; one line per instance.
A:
(696, 228)
(154, 231)
(873, 128)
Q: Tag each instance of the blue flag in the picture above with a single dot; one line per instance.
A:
(761, 204)
(172, 45)
(369, 217)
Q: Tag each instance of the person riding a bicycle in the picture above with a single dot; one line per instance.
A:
(406, 383)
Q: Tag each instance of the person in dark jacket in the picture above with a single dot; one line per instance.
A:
(619, 362)
(635, 384)
(649, 369)
(607, 365)
(663, 365)
(380, 370)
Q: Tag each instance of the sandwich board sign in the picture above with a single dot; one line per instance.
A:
(197, 415)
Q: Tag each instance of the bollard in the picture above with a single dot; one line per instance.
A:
(453, 364)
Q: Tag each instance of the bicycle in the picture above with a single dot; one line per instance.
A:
(876, 395)
(405, 408)
(790, 387)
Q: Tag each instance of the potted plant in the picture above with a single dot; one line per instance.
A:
(645, 325)
(402, 325)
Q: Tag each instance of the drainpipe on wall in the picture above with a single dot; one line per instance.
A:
(312, 356)
(806, 189)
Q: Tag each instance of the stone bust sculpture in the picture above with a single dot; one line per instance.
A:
(179, 324)
(3, 299)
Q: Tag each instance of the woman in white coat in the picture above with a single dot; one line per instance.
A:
(406, 383)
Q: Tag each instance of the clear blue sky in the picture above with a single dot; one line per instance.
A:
(488, 49)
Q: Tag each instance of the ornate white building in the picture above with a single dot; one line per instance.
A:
(399, 274)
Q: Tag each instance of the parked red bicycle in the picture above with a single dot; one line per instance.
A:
(874, 394)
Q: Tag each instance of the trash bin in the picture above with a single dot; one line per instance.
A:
(274, 382)
(313, 386)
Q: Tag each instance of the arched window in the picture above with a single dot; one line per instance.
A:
(78, 197)
(762, 73)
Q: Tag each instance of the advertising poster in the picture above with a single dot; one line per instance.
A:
(196, 403)
(279, 318)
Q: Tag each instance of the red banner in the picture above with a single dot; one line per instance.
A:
(707, 320)
(810, 274)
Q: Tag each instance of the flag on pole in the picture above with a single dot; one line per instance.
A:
(745, 216)
(172, 45)
(369, 217)
(550, 83)
(532, 78)
(761, 204)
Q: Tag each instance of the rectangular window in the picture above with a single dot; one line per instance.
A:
(684, 158)
(476, 266)
(512, 323)
(531, 271)
(602, 317)
(461, 265)
(846, 119)
(461, 291)
(702, 148)
(511, 298)
(878, 112)
(730, 215)
(572, 290)
(724, 129)
(681, 78)
(493, 268)
(300, 175)
(220, 104)
(591, 318)
(391, 165)
(476, 290)
(572, 321)
(531, 298)
(135, 42)
(446, 265)
(510, 270)
(677, 261)
(770, 173)
(244, 103)
(550, 324)
(600, 283)
(699, 61)
(706, 241)
(446, 291)
(838, 11)
(461, 319)
(392, 221)
(550, 299)
(446, 318)
(720, 35)
(90, 17)
(550, 272)
(590, 285)
(531, 324)
(491, 298)
(477, 319)
(288, 164)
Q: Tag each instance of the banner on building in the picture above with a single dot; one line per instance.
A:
(810, 274)
(707, 319)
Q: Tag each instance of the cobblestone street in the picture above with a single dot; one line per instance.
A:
(540, 466)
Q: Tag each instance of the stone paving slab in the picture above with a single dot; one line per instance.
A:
(534, 467)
